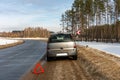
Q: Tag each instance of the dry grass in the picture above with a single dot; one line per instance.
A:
(100, 65)
(11, 45)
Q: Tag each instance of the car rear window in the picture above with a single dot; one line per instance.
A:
(60, 38)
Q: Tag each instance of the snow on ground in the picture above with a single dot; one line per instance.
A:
(37, 38)
(112, 48)
(4, 41)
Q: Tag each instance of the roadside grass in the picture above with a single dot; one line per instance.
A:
(11, 45)
(100, 65)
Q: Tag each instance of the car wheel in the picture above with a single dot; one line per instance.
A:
(75, 57)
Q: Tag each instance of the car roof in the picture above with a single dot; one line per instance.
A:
(59, 33)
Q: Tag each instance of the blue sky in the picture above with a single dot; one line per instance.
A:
(18, 14)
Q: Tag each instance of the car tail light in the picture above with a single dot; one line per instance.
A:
(75, 46)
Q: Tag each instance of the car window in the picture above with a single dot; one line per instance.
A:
(60, 38)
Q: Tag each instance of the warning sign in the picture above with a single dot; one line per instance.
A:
(38, 69)
(78, 32)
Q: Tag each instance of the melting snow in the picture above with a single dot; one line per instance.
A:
(112, 48)
(4, 41)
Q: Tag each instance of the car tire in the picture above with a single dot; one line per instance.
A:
(75, 57)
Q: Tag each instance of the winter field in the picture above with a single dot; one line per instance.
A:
(111, 48)
(5, 41)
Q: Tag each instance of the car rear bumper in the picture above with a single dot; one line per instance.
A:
(62, 53)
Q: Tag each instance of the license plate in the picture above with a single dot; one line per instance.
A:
(62, 54)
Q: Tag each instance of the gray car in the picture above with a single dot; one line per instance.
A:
(61, 45)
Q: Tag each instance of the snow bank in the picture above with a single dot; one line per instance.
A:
(31, 38)
(4, 41)
(112, 48)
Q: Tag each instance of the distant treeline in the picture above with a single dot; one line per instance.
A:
(27, 32)
(102, 33)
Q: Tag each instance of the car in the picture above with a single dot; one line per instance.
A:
(61, 45)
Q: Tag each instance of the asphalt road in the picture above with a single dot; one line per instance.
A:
(16, 61)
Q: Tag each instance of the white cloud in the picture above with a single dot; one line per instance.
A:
(17, 14)
(22, 21)
(15, 20)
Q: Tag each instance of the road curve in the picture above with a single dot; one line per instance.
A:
(15, 61)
